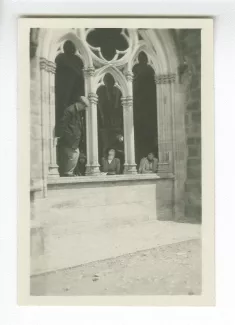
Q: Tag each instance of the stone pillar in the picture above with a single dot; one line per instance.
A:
(164, 117)
(93, 167)
(88, 75)
(35, 122)
(44, 84)
(53, 167)
(171, 133)
(129, 141)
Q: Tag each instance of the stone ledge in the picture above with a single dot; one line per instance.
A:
(106, 179)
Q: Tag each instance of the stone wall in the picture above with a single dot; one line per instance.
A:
(190, 41)
(35, 124)
(75, 217)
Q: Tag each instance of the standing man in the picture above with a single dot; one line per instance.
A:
(70, 136)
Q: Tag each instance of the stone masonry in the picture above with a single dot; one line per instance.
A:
(190, 44)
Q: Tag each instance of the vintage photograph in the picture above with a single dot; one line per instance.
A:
(115, 160)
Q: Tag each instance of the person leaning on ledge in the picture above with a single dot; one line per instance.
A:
(70, 136)
(110, 165)
(149, 164)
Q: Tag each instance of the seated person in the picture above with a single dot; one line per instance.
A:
(149, 164)
(110, 165)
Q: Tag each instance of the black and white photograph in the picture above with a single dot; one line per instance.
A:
(116, 203)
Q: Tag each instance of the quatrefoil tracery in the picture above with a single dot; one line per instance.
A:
(98, 51)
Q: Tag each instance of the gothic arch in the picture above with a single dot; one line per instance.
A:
(120, 81)
(166, 44)
(52, 39)
(149, 53)
(162, 57)
(157, 45)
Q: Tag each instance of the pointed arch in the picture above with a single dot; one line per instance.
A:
(52, 39)
(157, 45)
(169, 50)
(120, 80)
(142, 47)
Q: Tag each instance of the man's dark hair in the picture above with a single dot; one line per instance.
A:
(108, 149)
(152, 152)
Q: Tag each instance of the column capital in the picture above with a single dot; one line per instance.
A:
(129, 76)
(47, 65)
(165, 78)
(89, 72)
(93, 98)
(127, 101)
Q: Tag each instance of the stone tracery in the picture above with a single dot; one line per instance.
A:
(96, 66)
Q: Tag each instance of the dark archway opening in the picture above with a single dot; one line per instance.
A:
(110, 119)
(69, 86)
(145, 109)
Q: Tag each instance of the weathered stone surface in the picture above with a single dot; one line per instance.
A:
(196, 162)
(193, 151)
(194, 212)
(194, 105)
(69, 215)
(191, 47)
(196, 117)
(194, 173)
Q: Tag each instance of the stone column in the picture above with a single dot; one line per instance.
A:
(53, 167)
(129, 141)
(93, 164)
(92, 167)
(179, 149)
(44, 85)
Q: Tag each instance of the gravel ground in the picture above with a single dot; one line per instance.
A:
(166, 270)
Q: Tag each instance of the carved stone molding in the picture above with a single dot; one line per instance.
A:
(89, 72)
(48, 66)
(127, 101)
(165, 78)
(129, 76)
(93, 98)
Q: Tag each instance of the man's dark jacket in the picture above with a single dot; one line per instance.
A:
(71, 128)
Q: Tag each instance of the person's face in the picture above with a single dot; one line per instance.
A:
(150, 156)
(111, 154)
(120, 138)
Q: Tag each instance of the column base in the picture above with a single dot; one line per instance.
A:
(130, 169)
(93, 170)
(53, 171)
